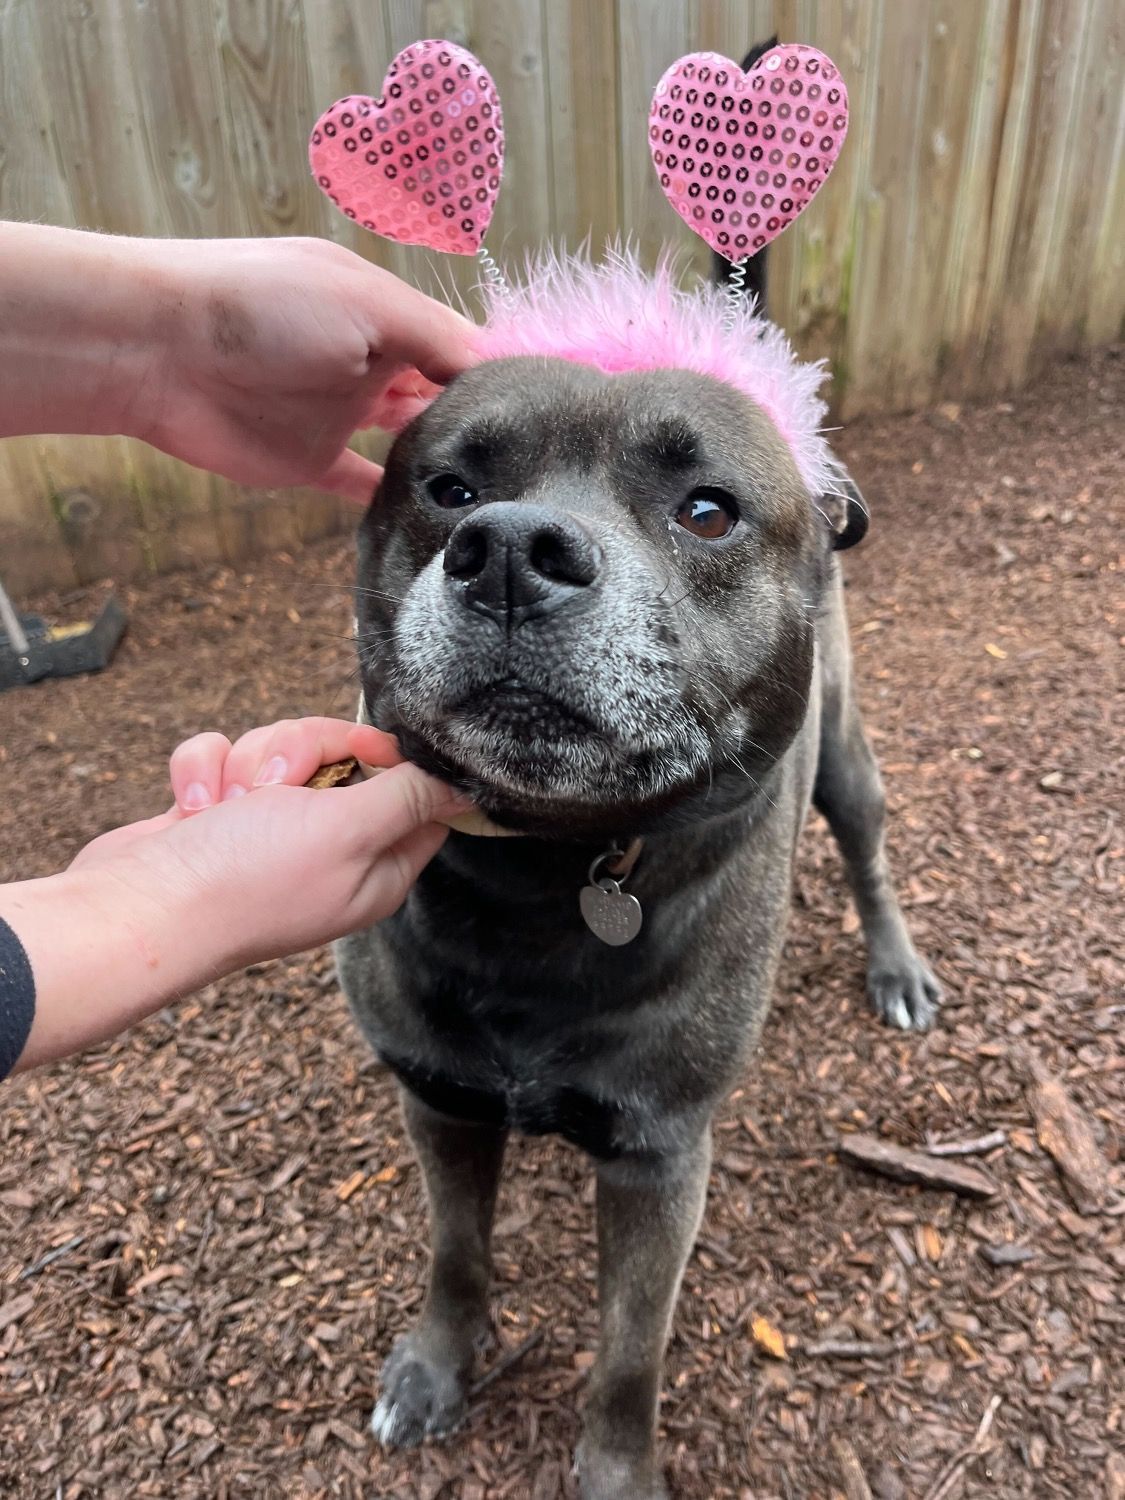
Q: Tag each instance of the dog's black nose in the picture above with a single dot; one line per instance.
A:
(516, 562)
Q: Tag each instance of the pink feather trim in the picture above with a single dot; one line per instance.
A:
(615, 317)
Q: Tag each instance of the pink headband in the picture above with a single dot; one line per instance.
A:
(739, 156)
(616, 317)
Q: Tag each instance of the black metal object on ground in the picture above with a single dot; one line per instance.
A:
(30, 649)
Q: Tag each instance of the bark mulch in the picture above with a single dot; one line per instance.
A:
(211, 1230)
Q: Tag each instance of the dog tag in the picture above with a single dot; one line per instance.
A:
(610, 913)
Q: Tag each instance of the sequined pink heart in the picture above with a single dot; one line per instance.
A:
(740, 155)
(422, 163)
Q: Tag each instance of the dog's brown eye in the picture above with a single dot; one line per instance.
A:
(708, 514)
(450, 492)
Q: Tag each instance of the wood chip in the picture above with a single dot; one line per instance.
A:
(769, 1338)
(906, 1165)
(1007, 1255)
(49, 1257)
(11, 1312)
(951, 1474)
(352, 1185)
(975, 1147)
(1065, 1135)
(851, 1470)
(850, 1349)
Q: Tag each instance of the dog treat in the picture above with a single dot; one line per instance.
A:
(339, 773)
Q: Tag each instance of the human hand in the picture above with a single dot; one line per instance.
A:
(279, 868)
(257, 359)
(279, 350)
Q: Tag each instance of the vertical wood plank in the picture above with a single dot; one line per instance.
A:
(650, 36)
(263, 61)
(1087, 169)
(1105, 310)
(962, 322)
(509, 38)
(732, 27)
(174, 110)
(90, 483)
(1053, 89)
(885, 260)
(32, 185)
(580, 44)
(1018, 84)
(90, 92)
(32, 554)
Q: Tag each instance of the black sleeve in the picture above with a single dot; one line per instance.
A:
(17, 998)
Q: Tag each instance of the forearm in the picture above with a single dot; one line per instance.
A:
(83, 320)
(104, 955)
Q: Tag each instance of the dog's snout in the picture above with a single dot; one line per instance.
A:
(516, 562)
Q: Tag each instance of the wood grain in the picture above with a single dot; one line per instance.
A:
(187, 180)
(582, 89)
(651, 35)
(269, 111)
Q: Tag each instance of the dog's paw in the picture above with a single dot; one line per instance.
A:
(421, 1398)
(905, 995)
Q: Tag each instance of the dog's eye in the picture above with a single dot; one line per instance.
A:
(450, 492)
(709, 514)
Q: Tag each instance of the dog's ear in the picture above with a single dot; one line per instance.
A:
(846, 513)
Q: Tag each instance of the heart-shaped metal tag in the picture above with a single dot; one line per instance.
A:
(610, 913)
(421, 164)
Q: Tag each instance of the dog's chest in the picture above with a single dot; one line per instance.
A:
(524, 1101)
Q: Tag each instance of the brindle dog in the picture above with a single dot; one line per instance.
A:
(608, 608)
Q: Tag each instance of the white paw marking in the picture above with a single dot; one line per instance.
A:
(384, 1420)
(898, 1014)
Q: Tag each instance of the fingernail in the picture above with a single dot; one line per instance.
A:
(233, 791)
(196, 797)
(272, 772)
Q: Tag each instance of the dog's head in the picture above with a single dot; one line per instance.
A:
(589, 600)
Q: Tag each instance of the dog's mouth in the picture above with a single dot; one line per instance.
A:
(513, 745)
(518, 716)
(534, 762)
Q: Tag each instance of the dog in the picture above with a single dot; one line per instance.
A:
(607, 608)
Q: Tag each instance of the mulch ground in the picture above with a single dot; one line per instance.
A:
(236, 1223)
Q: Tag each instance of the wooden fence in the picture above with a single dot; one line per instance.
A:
(974, 225)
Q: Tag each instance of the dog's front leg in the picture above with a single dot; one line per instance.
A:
(425, 1380)
(648, 1215)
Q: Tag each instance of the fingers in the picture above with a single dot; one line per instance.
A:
(396, 404)
(289, 752)
(394, 805)
(372, 746)
(354, 477)
(196, 771)
(418, 331)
